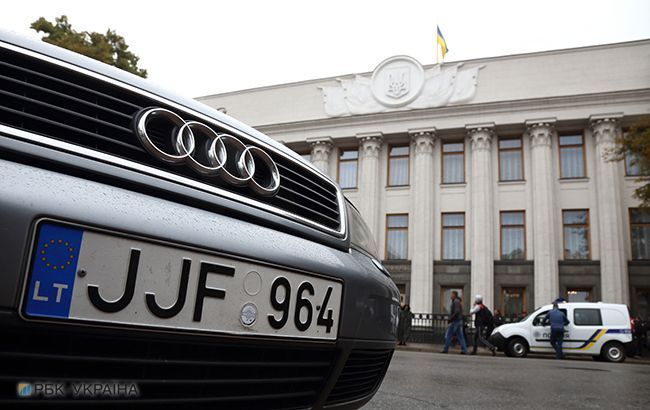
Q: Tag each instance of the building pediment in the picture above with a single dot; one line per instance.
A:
(400, 82)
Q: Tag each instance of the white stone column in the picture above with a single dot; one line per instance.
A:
(422, 220)
(545, 256)
(368, 183)
(482, 211)
(320, 153)
(613, 259)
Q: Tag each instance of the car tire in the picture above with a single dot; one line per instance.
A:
(613, 352)
(517, 347)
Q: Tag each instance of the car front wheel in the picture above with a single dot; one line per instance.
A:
(517, 347)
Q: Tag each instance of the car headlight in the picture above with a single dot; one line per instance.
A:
(360, 234)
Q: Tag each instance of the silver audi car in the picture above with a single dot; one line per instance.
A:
(148, 239)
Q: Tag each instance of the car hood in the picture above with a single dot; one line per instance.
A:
(505, 326)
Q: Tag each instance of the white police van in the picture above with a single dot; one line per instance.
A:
(601, 330)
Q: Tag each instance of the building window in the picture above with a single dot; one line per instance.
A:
(513, 235)
(398, 165)
(347, 175)
(640, 233)
(578, 294)
(453, 162)
(572, 156)
(513, 302)
(397, 236)
(445, 297)
(632, 167)
(576, 234)
(453, 236)
(511, 165)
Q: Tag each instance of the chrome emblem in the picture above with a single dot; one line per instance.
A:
(172, 140)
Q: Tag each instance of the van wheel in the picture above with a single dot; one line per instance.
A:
(613, 352)
(517, 347)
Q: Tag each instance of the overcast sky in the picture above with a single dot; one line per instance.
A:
(205, 47)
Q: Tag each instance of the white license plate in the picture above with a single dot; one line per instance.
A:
(91, 276)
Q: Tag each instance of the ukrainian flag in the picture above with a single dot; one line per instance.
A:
(441, 42)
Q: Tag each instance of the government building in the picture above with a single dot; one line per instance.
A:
(490, 176)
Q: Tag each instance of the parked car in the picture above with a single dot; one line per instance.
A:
(147, 237)
(601, 330)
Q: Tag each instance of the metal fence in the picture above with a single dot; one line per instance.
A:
(428, 328)
(431, 327)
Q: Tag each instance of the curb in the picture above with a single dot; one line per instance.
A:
(436, 348)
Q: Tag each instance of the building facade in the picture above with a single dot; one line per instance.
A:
(490, 176)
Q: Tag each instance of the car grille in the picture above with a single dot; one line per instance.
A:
(361, 375)
(64, 104)
(167, 372)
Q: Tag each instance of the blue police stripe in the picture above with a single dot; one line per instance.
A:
(54, 266)
(624, 331)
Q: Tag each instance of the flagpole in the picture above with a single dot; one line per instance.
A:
(436, 44)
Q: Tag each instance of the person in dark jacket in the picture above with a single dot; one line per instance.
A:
(408, 319)
(483, 323)
(498, 318)
(455, 326)
(404, 327)
(558, 320)
(640, 335)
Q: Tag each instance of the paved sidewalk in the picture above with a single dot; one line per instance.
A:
(437, 348)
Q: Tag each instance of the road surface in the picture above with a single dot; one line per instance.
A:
(422, 380)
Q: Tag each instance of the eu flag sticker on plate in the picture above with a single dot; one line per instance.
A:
(54, 266)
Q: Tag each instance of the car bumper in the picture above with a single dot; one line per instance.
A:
(497, 339)
(367, 329)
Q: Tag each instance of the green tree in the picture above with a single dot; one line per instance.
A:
(635, 144)
(109, 48)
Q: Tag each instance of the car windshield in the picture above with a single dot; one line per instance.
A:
(526, 317)
(541, 316)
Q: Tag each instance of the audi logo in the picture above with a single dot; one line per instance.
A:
(172, 140)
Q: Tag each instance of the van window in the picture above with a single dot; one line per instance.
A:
(587, 317)
(539, 319)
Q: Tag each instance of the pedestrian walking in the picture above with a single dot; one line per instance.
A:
(558, 320)
(483, 325)
(498, 318)
(404, 327)
(408, 319)
(455, 327)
